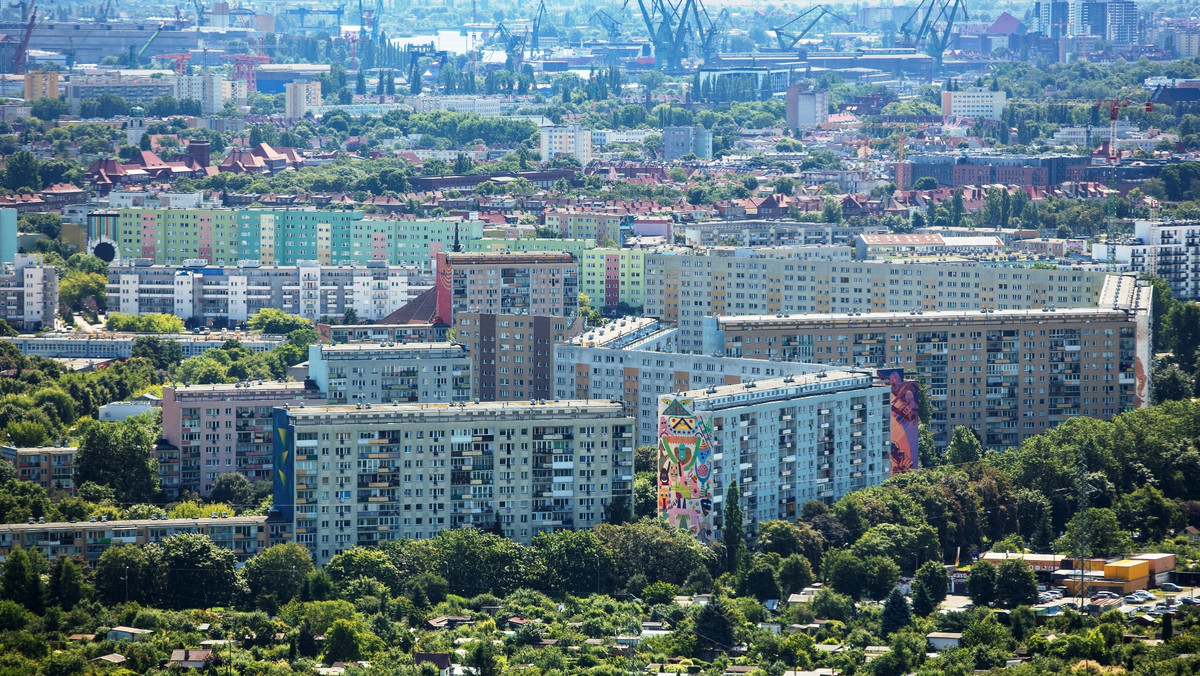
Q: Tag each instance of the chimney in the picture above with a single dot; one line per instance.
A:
(199, 151)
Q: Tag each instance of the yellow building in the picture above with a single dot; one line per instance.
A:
(41, 84)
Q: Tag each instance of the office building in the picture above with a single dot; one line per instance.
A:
(28, 291)
(391, 373)
(228, 295)
(975, 102)
(1169, 250)
(536, 284)
(566, 140)
(110, 345)
(787, 441)
(634, 360)
(513, 354)
(806, 107)
(245, 536)
(356, 476)
(299, 98)
(612, 278)
(680, 141)
(1008, 374)
(41, 84)
(51, 467)
(223, 428)
(1053, 16)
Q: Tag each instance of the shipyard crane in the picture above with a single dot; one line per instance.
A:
(135, 55)
(102, 15)
(23, 48)
(179, 59)
(707, 29)
(667, 24)
(938, 42)
(22, 5)
(788, 40)
(608, 23)
(536, 34)
(513, 43)
(200, 10)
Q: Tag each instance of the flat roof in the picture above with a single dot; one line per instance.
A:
(927, 316)
(463, 408)
(135, 523)
(391, 346)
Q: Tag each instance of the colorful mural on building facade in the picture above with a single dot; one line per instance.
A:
(685, 468)
(906, 420)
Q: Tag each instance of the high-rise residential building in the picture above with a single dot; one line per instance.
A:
(513, 354)
(230, 294)
(974, 102)
(1053, 17)
(545, 284)
(1008, 374)
(684, 289)
(133, 89)
(1169, 250)
(245, 536)
(566, 140)
(28, 292)
(680, 141)
(391, 373)
(613, 278)
(41, 84)
(208, 88)
(1122, 24)
(271, 236)
(299, 98)
(223, 428)
(359, 475)
(786, 441)
(806, 106)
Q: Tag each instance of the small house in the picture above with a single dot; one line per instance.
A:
(128, 634)
(944, 640)
(441, 661)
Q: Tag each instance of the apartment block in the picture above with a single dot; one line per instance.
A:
(383, 333)
(300, 97)
(230, 294)
(974, 102)
(770, 232)
(245, 536)
(513, 354)
(566, 140)
(584, 224)
(680, 141)
(133, 89)
(1008, 374)
(613, 277)
(575, 247)
(633, 360)
(222, 428)
(51, 467)
(120, 345)
(391, 373)
(359, 475)
(41, 84)
(806, 107)
(1169, 250)
(28, 293)
(789, 440)
(545, 284)
(683, 288)
(226, 237)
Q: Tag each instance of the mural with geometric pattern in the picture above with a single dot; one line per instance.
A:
(685, 467)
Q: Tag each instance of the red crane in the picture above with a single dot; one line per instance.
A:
(23, 48)
(179, 59)
(245, 67)
(1114, 107)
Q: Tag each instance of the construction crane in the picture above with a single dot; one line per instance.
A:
(105, 9)
(513, 43)
(939, 42)
(788, 40)
(23, 48)
(22, 5)
(667, 24)
(608, 23)
(179, 59)
(135, 55)
(707, 29)
(200, 10)
(536, 34)
(908, 37)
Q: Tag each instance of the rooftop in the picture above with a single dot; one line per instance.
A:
(135, 523)
(543, 407)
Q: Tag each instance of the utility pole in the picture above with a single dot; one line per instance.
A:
(1082, 515)
(126, 578)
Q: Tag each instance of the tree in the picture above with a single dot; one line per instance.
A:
(125, 573)
(21, 171)
(733, 534)
(20, 582)
(785, 538)
(481, 658)
(896, 613)
(925, 183)
(931, 578)
(1016, 585)
(278, 571)
(277, 322)
(76, 289)
(964, 447)
(1022, 622)
(1105, 536)
(1147, 511)
(981, 584)
(66, 583)
(341, 641)
(760, 582)
(1168, 626)
(1170, 383)
(714, 625)
(880, 575)
(232, 489)
(164, 353)
(829, 605)
(119, 455)
(795, 573)
(844, 572)
(831, 210)
(196, 572)
(48, 108)
(358, 562)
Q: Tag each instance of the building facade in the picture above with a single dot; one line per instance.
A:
(545, 284)
(806, 107)
(584, 224)
(51, 467)
(613, 277)
(359, 475)
(232, 294)
(300, 97)
(224, 428)
(513, 354)
(1169, 250)
(28, 293)
(680, 141)
(974, 102)
(120, 345)
(566, 140)
(391, 373)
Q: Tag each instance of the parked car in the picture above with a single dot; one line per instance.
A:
(1105, 595)
(1132, 600)
(1144, 595)
(1171, 587)
(1189, 600)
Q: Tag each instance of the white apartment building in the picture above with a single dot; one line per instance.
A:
(974, 102)
(1169, 250)
(359, 475)
(566, 139)
(484, 106)
(790, 440)
(391, 373)
(208, 88)
(300, 97)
